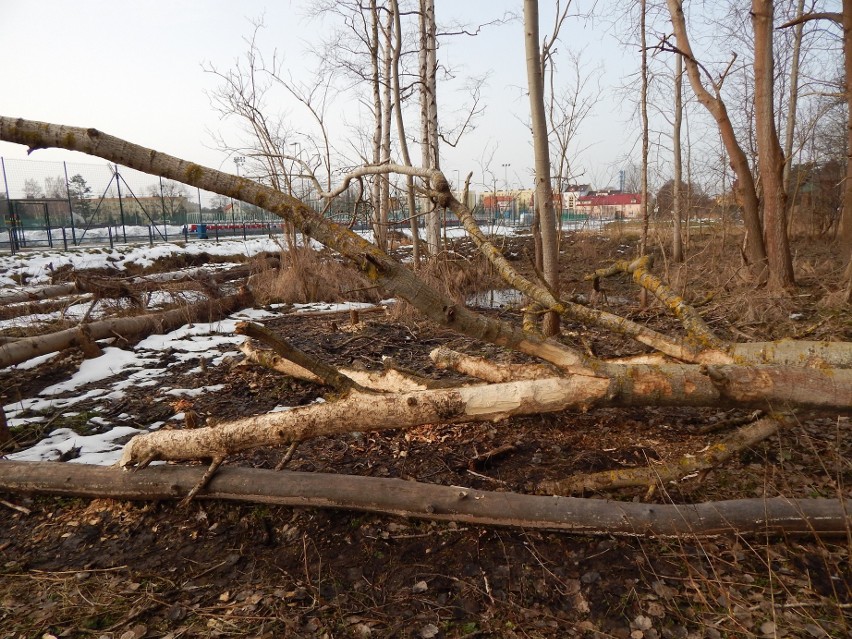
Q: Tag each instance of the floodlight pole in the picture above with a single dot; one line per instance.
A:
(239, 161)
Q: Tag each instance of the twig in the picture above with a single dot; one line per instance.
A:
(20, 509)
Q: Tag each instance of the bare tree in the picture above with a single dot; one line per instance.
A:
(543, 185)
(32, 189)
(677, 214)
(712, 101)
(56, 188)
(844, 233)
(429, 141)
(770, 155)
(396, 54)
(643, 103)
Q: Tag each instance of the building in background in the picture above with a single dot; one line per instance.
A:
(610, 206)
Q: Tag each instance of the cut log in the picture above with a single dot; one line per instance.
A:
(629, 386)
(43, 293)
(385, 381)
(29, 347)
(443, 503)
(50, 305)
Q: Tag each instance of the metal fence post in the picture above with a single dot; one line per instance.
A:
(120, 203)
(109, 231)
(64, 238)
(70, 206)
(47, 224)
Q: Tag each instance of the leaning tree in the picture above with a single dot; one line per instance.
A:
(694, 369)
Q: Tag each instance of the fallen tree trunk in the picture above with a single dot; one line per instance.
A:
(49, 305)
(26, 348)
(432, 502)
(629, 386)
(43, 293)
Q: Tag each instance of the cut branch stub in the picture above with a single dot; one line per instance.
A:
(328, 374)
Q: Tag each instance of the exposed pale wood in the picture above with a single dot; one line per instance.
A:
(325, 372)
(486, 370)
(432, 502)
(673, 385)
(386, 381)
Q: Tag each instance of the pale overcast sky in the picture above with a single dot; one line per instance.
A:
(134, 69)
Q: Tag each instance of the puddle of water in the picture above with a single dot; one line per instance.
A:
(496, 298)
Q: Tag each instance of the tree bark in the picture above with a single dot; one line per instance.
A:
(401, 136)
(739, 162)
(619, 385)
(677, 201)
(844, 231)
(379, 225)
(543, 185)
(29, 347)
(770, 156)
(806, 517)
(428, 115)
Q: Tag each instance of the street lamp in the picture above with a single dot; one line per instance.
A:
(239, 161)
(506, 181)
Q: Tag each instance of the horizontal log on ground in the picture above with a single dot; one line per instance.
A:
(23, 349)
(50, 305)
(434, 502)
(671, 385)
(43, 293)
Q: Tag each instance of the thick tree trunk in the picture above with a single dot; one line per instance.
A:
(26, 348)
(428, 115)
(844, 232)
(746, 189)
(623, 385)
(770, 156)
(401, 136)
(677, 201)
(543, 185)
(442, 503)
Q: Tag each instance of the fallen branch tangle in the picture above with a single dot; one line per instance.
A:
(704, 370)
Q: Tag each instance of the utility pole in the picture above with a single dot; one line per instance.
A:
(506, 182)
(239, 161)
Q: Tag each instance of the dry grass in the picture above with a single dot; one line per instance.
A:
(306, 275)
(455, 274)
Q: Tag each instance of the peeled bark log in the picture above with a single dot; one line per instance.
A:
(443, 503)
(488, 371)
(637, 385)
(385, 381)
(29, 347)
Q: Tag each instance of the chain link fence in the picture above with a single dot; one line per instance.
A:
(67, 204)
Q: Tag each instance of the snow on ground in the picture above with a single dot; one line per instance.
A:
(34, 267)
(137, 370)
(140, 369)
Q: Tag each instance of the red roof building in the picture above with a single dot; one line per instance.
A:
(611, 205)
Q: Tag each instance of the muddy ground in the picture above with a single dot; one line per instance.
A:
(83, 568)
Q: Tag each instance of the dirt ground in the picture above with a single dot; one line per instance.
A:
(101, 568)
